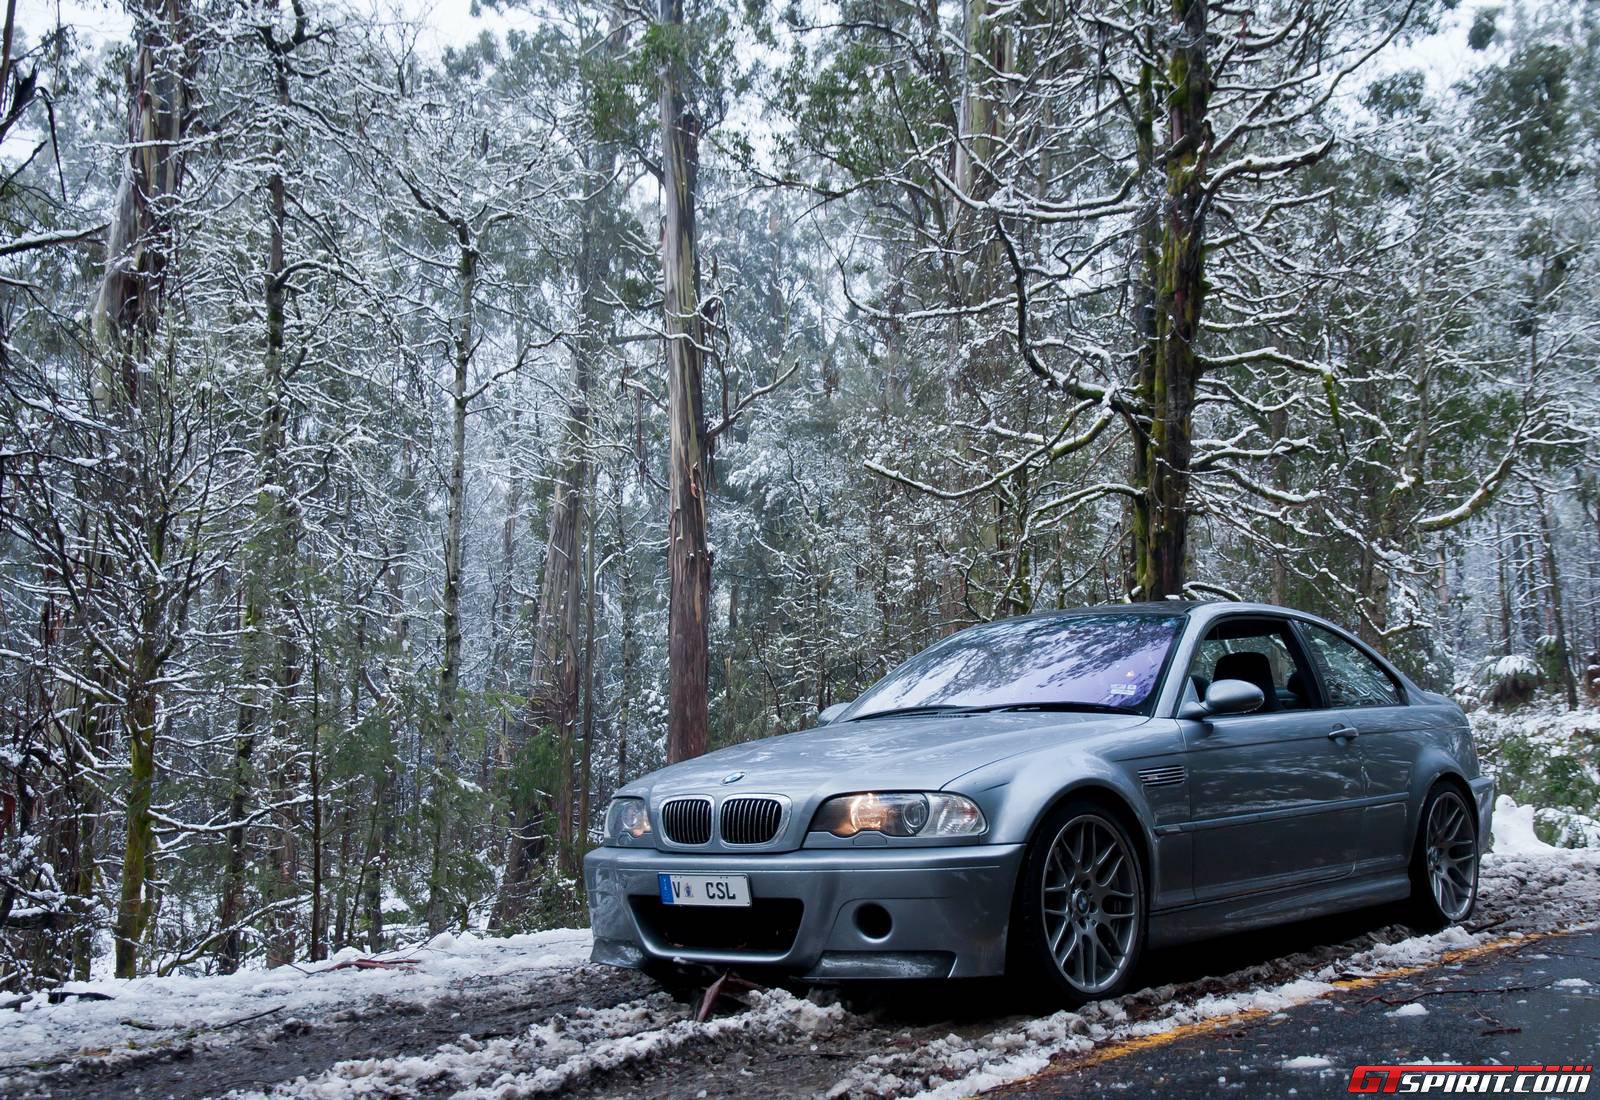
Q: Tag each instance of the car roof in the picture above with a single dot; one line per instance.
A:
(1146, 607)
(1181, 607)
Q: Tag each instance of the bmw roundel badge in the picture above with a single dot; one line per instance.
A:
(733, 777)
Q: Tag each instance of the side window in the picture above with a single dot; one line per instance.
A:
(1351, 678)
(1258, 651)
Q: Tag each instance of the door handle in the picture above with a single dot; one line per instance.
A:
(1338, 732)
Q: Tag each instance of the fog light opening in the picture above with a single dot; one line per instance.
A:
(874, 921)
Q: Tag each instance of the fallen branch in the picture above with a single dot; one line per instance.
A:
(375, 964)
(728, 986)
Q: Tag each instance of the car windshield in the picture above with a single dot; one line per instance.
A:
(1094, 662)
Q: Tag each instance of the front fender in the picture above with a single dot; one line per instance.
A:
(1015, 794)
(1435, 764)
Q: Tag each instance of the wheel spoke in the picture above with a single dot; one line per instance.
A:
(1090, 903)
(1452, 856)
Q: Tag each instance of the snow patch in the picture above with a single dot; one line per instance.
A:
(1306, 1061)
(1406, 1011)
(559, 1054)
(151, 1010)
(1513, 830)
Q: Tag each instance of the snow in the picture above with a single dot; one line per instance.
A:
(962, 1067)
(1528, 887)
(1571, 983)
(1513, 829)
(1545, 888)
(1517, 664)
(550, 1057)
(160, 1008)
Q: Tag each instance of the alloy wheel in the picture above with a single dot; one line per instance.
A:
(1452, 856)
(1090, 903)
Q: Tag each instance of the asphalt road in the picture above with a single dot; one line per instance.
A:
(1533, 1002)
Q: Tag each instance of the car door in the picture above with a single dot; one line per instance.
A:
(1360, 695)
(1275, 795)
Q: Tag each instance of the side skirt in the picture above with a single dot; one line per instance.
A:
(1221, 918)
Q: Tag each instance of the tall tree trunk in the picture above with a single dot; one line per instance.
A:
(1503, 579)
(269, 567)
(1148, 268)
(440, 909)
(627, 605)
(1558, 616)
(689, 473)
(319, 937)
(554, 704)
(1179, 294)
(126, 317)
(586, 760)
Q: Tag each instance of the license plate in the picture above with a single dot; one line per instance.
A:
(704, 889)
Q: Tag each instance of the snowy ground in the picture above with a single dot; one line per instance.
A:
(136, 1011)
(527, 1016)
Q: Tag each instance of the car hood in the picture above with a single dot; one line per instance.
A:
(906, 753)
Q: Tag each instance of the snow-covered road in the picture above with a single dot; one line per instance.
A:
(527, 1016)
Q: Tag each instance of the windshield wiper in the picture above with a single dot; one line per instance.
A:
(992, 708)
(912, 712)
(1060, 705)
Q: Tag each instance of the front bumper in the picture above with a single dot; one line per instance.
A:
(948, 910)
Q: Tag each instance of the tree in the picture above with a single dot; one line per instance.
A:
(689, 473)
(135, 390)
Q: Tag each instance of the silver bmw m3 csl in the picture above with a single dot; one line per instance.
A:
(1048, 796)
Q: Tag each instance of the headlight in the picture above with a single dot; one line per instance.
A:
(626, 818)
(900, 814)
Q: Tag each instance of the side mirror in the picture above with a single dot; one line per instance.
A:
(828, 714)
(1225, 697)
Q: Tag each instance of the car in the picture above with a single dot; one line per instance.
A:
(1050, 796)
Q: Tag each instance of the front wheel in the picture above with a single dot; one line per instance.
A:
(1078, 924)
(1444, 863)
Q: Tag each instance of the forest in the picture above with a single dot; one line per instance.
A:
(405, 440)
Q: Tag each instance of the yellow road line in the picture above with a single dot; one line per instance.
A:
(1121, 1048)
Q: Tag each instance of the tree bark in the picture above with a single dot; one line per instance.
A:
(1558, 615)
(269, 561)
(1179, 294)
(440, 910)
(555, 705)
(626, 600)
(126, 317)
(1148, 267)
(688, 552)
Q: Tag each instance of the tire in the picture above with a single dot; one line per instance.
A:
(1079, 918)
(1444, 861)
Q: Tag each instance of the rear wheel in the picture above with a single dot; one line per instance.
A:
(1444, 863)
(1078, 924)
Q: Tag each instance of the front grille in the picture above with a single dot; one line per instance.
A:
(767, 927)
(687, 820)
(750, 820)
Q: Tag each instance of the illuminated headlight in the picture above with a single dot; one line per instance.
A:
(626, 819)
(933, 813)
